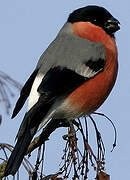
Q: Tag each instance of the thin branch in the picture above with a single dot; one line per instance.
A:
(5, 91)
(46, 132)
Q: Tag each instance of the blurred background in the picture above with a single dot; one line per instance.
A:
(26, 30)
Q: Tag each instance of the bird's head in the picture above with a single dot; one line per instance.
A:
(96, 15)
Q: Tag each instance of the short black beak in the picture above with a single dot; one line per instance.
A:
(112, 25)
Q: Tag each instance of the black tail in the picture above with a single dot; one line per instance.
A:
(18, 153)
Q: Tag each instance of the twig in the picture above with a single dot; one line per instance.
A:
(46, 132)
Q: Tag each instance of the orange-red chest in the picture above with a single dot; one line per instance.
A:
(90, 95)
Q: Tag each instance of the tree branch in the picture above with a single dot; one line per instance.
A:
(46, 132)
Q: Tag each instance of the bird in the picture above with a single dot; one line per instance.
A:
(73, 77)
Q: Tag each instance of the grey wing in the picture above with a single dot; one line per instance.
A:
(85, 57)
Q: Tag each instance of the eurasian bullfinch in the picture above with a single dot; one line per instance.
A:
(73, 77)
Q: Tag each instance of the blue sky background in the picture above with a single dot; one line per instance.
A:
(26, 29)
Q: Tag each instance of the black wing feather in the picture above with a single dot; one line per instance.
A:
(24, 93)
(59, 80)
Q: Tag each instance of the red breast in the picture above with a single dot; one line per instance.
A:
(90, 95)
